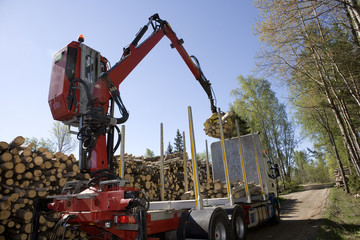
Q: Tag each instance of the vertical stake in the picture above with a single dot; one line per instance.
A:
(162, 190)
(226, 168)
(258, 167)
(185, 164)
(122, 153)
(207, 164)
(248, 197)
(198, 200)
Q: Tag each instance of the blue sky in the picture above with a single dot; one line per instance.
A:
(159, 90)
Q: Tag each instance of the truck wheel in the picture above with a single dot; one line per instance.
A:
(238, 222)
(276, 218)
(219, 225)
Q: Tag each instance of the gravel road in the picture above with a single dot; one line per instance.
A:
(301, 216)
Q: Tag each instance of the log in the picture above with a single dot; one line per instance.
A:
(13, 197)
(19, 168)
(6, 157)
(3, 146)
(26, 228)
(8, 174)
(26, 152)
(4, 214)
(24, 215)
(30, 193)
(5, 205)
(28, 175)
(7, 165)
(18, 141)
(38, 160)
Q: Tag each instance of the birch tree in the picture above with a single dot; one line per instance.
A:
(307, 44)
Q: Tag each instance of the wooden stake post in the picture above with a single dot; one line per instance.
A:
(207, 163)
(198, 200)
(258, 167)
(226, 168)
(185, 165)
(162, 189)
(248, 197)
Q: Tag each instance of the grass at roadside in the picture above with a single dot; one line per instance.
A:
(290, 188)
(342, 218)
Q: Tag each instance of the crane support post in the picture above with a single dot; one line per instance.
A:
(198, 199)
(226, 167)
(122, 152)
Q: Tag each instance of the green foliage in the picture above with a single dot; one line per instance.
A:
(243, 125)
(149, 153)
(341, 218)
(290, 187)
(301, 167)
(37, 143)
(354, 184)
(310, 168)
(178, 142)
(169, 149)
(201, 156)
(258, 105)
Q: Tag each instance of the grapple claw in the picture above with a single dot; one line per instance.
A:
(212, 126)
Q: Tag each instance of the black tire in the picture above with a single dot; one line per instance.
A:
(238, 223)
(276, 218)
(219, 225)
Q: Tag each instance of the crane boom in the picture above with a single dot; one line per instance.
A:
(134, 53)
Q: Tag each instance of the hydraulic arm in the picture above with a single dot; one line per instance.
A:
(135, 52)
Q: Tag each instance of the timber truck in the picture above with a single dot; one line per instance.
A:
(84, 91)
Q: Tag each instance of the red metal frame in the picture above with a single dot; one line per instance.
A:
(101, 207)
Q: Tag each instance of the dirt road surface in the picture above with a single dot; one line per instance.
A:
(301, 216)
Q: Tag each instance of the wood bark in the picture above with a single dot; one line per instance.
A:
(27, 175)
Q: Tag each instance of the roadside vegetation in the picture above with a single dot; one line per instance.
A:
(342, 218)
(291, 187)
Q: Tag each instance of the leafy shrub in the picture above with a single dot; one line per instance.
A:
(354, 184)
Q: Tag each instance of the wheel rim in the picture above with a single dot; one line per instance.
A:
(240, 227)
(220, 231)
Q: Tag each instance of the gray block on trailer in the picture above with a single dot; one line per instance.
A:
(234, 162)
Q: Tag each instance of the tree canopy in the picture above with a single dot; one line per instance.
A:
(257, 103)
(313, 46)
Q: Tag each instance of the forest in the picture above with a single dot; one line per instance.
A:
(312, 48)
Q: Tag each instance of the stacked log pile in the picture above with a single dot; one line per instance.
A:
(338, 177)
(144, 173)
(27, 176)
